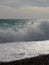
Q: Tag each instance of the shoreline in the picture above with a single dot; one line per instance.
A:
(38, 60)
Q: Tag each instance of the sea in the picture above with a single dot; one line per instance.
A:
(23, 38)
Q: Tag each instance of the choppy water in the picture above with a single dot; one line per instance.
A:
(16, 30)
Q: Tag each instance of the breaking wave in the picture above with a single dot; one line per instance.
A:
(24, 30)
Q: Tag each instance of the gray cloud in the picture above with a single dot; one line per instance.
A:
(24, 12)
(18, 3)
(24, 9)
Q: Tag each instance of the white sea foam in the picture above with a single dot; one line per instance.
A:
(19, 50)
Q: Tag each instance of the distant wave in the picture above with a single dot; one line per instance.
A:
(34, 30)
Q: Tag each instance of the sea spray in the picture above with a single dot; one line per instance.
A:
(17, 30)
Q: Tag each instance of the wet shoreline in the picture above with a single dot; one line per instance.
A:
(38, 60)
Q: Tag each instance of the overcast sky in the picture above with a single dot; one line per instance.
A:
(22, 9)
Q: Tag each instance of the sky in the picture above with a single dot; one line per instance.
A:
(24, 9)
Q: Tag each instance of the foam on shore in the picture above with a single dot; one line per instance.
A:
(21, 50)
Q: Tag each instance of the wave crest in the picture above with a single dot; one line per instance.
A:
(34, 31)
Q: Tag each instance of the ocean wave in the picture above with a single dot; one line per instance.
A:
(34, 30)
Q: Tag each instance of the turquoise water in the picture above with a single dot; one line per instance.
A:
(12, 23)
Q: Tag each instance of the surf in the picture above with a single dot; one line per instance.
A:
(23, 30)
